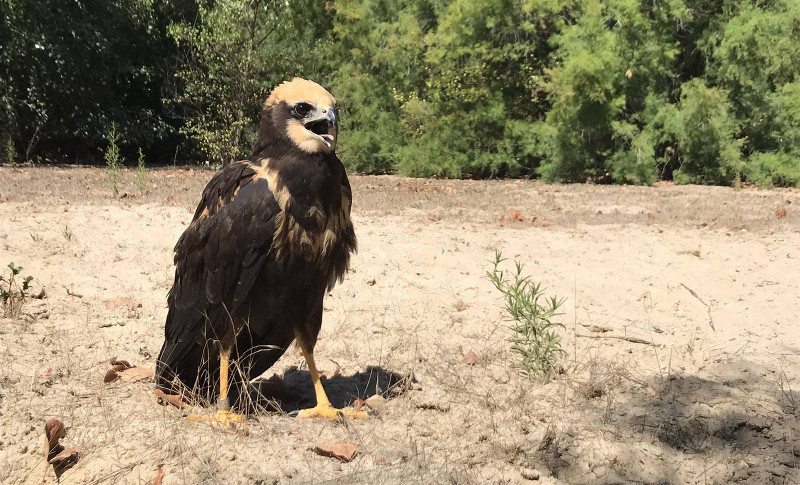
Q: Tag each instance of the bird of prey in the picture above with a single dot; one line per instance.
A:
(270, 237)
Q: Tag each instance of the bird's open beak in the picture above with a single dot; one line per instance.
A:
(323, 125)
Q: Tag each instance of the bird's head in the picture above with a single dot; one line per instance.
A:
(305, 113)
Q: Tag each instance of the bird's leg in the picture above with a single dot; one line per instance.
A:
(224, 362)
(223, 414)
(324, 408)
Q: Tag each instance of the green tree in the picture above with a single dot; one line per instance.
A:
(755, 56)
(68, 69)
(706, 136)
(622, 91)
(480, 95)
(235, 52)
(440, 88)
(781, 166)
(616, 57)
(378, 65)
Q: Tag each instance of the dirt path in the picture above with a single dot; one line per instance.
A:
(708, 278)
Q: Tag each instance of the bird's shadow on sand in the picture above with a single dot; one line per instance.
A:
(294, 390)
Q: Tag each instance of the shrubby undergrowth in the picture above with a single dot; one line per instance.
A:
(624, 91)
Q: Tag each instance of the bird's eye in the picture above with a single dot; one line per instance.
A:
(302, 109)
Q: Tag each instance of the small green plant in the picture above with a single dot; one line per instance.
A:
(141, 172)
(10, 152)
(12, 293)
(532, 316)
(113, 158)
(67, 233)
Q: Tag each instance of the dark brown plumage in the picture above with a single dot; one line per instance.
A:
(269, 238)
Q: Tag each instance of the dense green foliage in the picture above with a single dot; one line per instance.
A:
(625, 91)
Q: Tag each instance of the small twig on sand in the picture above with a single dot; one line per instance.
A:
(708, 307)
(634, 340)
(694, 294)
(72, 293)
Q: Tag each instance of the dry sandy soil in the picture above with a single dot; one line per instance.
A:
(703, 282)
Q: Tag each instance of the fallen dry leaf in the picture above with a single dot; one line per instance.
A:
(173, 399)
(64, 456)
(136, 374)
(53, 430)
(117, 366)
(780, 212)
(61, 458)
(126, 371)
(470, 358)
(516, 215)
(124, 363)
(377, 403)
(112, 374)
(159, 476)
(340, 450)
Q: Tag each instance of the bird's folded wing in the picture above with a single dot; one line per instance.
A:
(222, 252)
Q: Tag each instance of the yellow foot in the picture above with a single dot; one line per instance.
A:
(223, 416)
(329, 412)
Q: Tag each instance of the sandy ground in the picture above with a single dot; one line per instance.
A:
(707, 278)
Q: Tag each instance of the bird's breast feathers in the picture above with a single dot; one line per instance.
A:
(309, 229)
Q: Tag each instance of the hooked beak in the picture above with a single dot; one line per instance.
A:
(324, 126)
